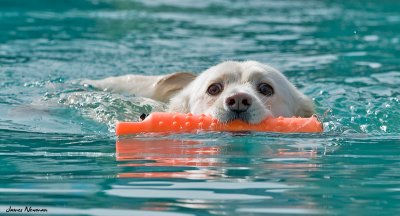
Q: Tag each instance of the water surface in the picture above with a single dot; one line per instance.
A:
(57, 146)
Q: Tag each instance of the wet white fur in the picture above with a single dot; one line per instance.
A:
(189, 93)
(242, 77)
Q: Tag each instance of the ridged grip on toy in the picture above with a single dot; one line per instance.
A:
(162, 122)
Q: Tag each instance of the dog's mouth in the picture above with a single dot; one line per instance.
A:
(232, 116)
(248, 116)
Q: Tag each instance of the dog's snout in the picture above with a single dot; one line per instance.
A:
(239, 102)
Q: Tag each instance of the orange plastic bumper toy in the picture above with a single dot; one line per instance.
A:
(162, 122)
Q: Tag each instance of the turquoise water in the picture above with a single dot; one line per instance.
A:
(57, 146)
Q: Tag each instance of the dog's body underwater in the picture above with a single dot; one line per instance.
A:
(249, 91)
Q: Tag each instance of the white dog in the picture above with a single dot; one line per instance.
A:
(249, 91)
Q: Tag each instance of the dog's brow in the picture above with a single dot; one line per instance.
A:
(225, 77)
(255, 75)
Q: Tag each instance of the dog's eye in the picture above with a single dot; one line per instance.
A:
(265, 89)
(215, 89)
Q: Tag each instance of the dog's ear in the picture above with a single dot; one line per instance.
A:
(171, 84)
(305, 107)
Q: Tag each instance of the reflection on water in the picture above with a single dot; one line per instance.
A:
(149, 153)
(251, 173)
(197, 159)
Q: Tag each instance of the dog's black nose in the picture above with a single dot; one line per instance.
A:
(239, 102)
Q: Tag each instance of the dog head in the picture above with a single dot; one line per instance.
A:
(249, 91)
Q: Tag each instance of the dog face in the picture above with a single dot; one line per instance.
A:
(249, 91)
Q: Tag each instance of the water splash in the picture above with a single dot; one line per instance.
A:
(108, 108)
